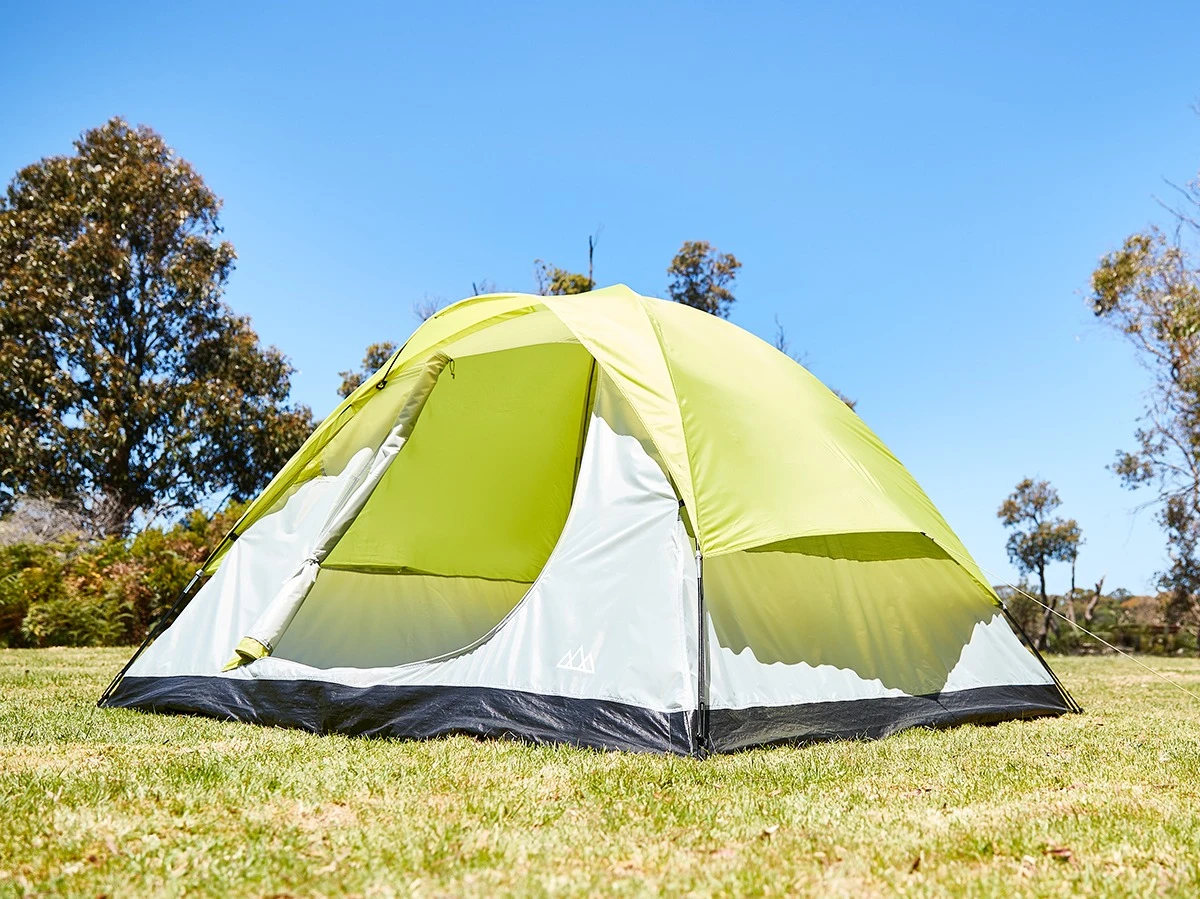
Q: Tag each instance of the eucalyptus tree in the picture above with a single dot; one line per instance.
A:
(1038, 538)
(1148, 291)
(127, 385)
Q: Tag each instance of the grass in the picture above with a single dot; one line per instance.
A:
(121, 803)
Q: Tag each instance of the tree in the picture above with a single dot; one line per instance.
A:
(426, 308)
(1149, 292)
(553, 281)
(375, 357)
(1037, 539)
(703, 278)
(1073, 592)
(126, 384)
(1089, 610)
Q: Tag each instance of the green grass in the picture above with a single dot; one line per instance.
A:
(121, 803)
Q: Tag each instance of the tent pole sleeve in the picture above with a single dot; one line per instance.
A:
(263, 636)
(152, 634)
(702, 676)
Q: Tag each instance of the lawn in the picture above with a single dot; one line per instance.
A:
(121, 803)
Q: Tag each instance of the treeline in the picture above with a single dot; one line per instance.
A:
(130, 393)
(1131, 623)
(61, 588)
(66, 589)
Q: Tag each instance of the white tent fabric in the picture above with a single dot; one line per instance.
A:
(206, 631)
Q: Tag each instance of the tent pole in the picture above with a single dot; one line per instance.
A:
(702, 738)
(1070, 700)
(159, 626)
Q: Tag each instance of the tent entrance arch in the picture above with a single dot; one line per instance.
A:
(464, 519)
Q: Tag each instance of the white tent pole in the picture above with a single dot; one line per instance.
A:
(702, 675)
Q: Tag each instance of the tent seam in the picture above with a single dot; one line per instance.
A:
(633, 406)
(687, 450)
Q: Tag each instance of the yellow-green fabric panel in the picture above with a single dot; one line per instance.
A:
(530, 329)
(774, 453)
(450, 323)
(613, 325)
(903, 621)
(457, 321)
(363, 419)
(483, 485)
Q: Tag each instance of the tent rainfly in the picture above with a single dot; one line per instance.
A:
(605, 520)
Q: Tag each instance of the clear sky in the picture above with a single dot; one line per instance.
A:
(919, 191)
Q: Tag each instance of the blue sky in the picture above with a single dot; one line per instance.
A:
(918, 191)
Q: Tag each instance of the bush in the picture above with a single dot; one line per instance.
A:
(71, 592)
(85, 620)
(1131, 623)
(30, 574)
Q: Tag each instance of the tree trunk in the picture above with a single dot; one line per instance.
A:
(1043, 640)
(1196, 619)
(1090, 610)
(1071, 595)
(591, 253)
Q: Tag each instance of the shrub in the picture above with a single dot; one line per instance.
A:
(83, 620)
(71, 592)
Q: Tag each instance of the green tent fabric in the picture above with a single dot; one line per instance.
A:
(741, 467)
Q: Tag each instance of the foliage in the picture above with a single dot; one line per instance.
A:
(36, 520)
(703, 277)
(1131, 623)
(126, 384)
(74, 592)
(1149, 292)
(1037, 538)
(553, 281)
(375, 357)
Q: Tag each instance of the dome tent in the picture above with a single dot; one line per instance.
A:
(600, 519)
